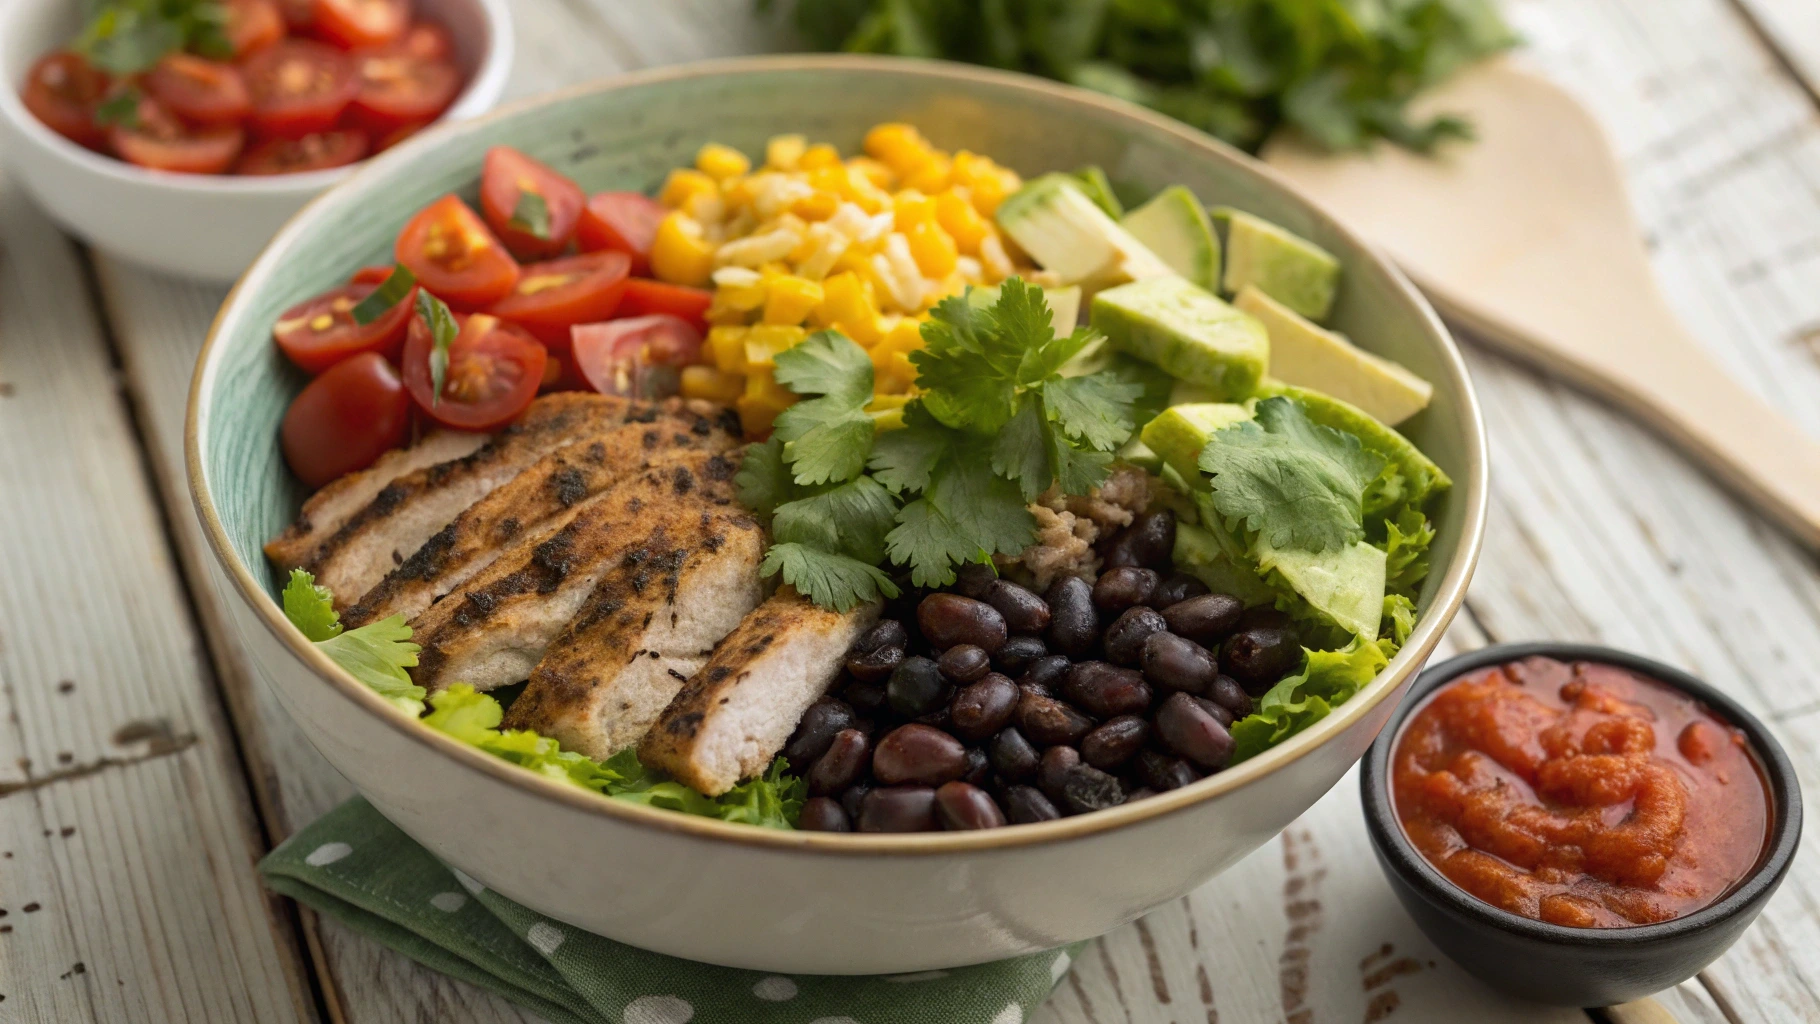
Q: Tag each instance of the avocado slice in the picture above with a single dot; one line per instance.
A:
(1098, 187)
(1179, 433)
(1199, 552)
(1140, 454)
(1304, 354)
(1344, 584)
(1420, 473)
(1187, 331)
(1064, 304)
(1054, 221)
(1286, 267)
(1174, 225)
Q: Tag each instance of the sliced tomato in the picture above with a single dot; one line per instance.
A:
(381, 143)
(399, 88)
(252, 25)
(505, 177)
(646, 296)
(310, 153)
(318, 333)
(428, 40)
(355, 23)
(299, 87)
(494, 371)
(158, 139)
(62, 89)
(344, 419)
(299, 15)
(622, 221)
(554, 296)
(203, 91)
(455, 257)
(640, 356)
(370, 275)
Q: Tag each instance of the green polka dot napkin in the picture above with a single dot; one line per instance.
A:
(355, 866)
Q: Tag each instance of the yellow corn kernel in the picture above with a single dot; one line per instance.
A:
(711, 384)
(887, 411)
(720, 162)
(845, 299)
(932, 249)
(784, 152)
(910, 208)
(892, 372)
(857, 260)
(679, 253)
(738, 192)
(817, 206)
(963, 223)
(683, 183)
(743, 298)
(763, 400)
(818, 156)
(867, 196)
(791, 299)
(876, 172)
(905, 336)
(765, 341)
(727, 343)
(933, 175)
(900, 146)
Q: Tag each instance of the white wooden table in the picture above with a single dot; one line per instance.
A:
(142, 774)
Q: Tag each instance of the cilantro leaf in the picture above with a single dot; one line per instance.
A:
(763, 481)
(826, 439)
(1077, 470)
(930, 544)
(531, 215)
(851, 519)
(828, 579)
(1294, 482)
(310, 608)
(987, 508)
(827, 363)
(903, 460)
(1021, 451)
(966, 367)
(121, 108)
(1095, 408)
(443, 329)
(390, 292)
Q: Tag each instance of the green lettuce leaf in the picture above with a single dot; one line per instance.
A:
(377, 653)
(1327, 679)
(1406, 541)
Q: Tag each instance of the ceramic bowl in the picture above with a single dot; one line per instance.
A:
(800, 902)
(204, 226)
(1550, 963)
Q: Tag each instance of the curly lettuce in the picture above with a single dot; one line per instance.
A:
(1327, 679)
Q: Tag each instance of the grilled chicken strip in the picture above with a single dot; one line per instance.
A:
(734, 715)
(495, 630)
(651, 622)
(330, 507)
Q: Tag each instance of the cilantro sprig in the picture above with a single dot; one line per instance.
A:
(531, 215)
(126, 37)
(1297, 483)
(390, 292)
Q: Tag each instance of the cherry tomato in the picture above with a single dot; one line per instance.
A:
(641, 356)
(398, 88)
(392, 138)
(429, 41)
(252, 25)
(554, 296)
(162, 142)
(299, 87)
(625, 221)
(505, 176)
(352, 23)
(494, 371)
(344, 419)
(646, 296)
(203, 91)
(455, 257)
(299, 15)
(310, 153)
(62, 90)
(370, 275)
(321, 332)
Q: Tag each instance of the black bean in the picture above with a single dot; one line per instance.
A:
(919, 754)
(961, 807)
(884, 633)
(1149, 541)
(1054, 768)
(1024, 612)
(964, 663)
(983, 708)
(1012, 755)
(866, 698)
(974, 579)
(1186, 728)
(917, 688)
(898, 809)
(851, 797)
(874, 666)
(820, 814)
(1086, 788)
(1124, 587)
(1227, 692)
(1026, 805)
(1125, 637)
(1073, 623)
(816, 730)
(1114, 742)
(843, 764)
(1162, 771)
(949, 619)
(1177, 588)
(1265, 616)
(1140, 793)
(1048, 721)
(1045, 674)
(940, 718)
(1259, 657)
(979, 767)
(1173, 663)
(1106, 691)
(1220, 714)
(1018, 652)
(1206, 619)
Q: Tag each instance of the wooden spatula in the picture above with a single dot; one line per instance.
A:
(1526, 238)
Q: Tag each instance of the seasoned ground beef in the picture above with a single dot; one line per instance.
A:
(1067, 527)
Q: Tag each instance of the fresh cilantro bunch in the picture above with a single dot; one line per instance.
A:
(1293, 482)
(125, 37)
(377, 653)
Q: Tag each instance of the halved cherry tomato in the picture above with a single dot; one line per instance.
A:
(494, 371)
(455, 257)
(392, 138)
(162, 142)
(428, 40)
(310, 153)
(321, 332)
(505, 176)
(252, 25)
(352, 23)
(646, 296)
(298, 14)
(625, 221)
(299, 87)
(640, 356)
(204, 91)
(62, 90)
(554, 296)
(370, 275)
(398, 88)
(344, 419)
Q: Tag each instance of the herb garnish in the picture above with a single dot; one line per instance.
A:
(121, 108)
(443, 329)
(531, 215)
(125, 37)
(377, 653)
(390, 292)
(1297, 483)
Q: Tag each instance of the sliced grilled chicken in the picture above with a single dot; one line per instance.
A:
(542, 499)
(409, 511)
(651, 622)
(330, 507)
(734, 714)
(495, 630)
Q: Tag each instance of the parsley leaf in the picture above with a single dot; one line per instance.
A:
(851, 519)
(443, 329)
(1296, 483)
(390, 292)
(987, 508)
(828, 579)
(826, 439)
(531, 215)
(377, 653)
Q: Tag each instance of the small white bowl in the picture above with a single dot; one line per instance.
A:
(206, 226)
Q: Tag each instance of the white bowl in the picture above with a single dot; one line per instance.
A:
(206, 226)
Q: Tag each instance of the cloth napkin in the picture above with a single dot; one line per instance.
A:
(356, 867)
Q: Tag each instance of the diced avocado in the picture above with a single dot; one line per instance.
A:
(1093, 181)
(1286, 267)
(1140, 454)
(1199, 552)
(1064, 304)
(1052, 219)
(1179, 433)
(1420, 473)
(1174, 225)
(1313, 357)
(1345, 584)
(1187, 331)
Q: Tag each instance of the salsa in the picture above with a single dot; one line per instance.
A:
(1579, 794)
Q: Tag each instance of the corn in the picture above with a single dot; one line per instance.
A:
(987, 183)
(711, 384)
(818, 156)
(994, 259)
(857, 187)
(933, 175)
(784, 152)
(875, 172)
(892, 371)
(765, 341)
(679, 253)
(899, 146)
(887, 411)
(683, 183)
(910, 208)
(791, 299)
(817, 205)
(845, 299)
(721, 162)
(763, 400)
(727, 343)
(955, 213)
(932, 249)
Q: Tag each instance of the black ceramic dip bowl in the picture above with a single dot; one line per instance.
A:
(1554, 963)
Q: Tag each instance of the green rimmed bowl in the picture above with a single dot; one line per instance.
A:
(735, 895)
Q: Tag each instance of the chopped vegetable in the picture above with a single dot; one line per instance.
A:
(377, 654)
(393, 290)
(1327, 679)
(1296, 483)
(443, 329)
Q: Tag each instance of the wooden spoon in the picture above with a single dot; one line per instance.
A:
(1525, 237)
